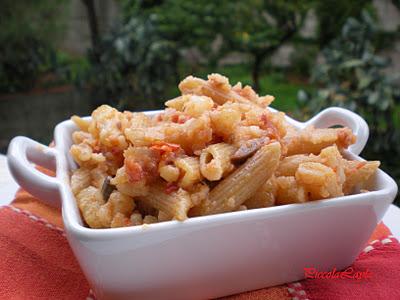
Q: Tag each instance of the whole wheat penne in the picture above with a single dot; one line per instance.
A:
(239, 186)
(265, 195)
(175, 204)
(215, 161)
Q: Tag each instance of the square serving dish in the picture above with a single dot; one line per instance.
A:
(210, 256)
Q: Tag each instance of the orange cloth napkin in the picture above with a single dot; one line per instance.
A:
(37, 262)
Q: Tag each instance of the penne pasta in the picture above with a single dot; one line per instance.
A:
(175, 204)
(190, 171)
(239, 186)
(215, 161)
(265, 195)
(145, 209)
(169, 173)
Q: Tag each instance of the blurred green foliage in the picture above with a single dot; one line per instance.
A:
(353, 76)
(260, 28)
(140, 58)
(303, 59)
(333, 14)
(21, 61)
(28, 31)
(187, 23)
(134, 63)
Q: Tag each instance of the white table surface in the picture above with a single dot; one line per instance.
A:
(8, 187)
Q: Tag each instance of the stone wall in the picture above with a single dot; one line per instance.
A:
(77, 38)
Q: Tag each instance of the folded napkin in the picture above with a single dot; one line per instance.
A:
(37, 262)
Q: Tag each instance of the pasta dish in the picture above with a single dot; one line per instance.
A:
(216, 148)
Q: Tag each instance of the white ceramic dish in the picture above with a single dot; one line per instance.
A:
(209, 256)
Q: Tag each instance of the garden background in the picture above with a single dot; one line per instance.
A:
(59, 58)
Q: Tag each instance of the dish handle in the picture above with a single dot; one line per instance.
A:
(22, 152)
(339, 116)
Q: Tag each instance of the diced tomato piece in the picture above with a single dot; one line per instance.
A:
(361, 164)
(165, 147)
(183, 118)
(180, 119)
(160, 117)
(167, 151)
(133, 170)
(174, 118)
